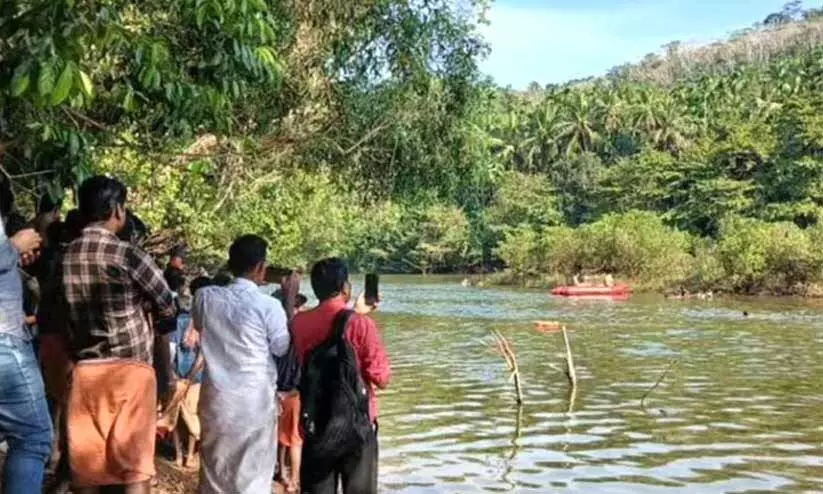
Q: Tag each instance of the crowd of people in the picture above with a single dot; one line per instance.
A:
(102, 353)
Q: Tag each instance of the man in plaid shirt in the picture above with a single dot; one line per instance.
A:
(112, 402)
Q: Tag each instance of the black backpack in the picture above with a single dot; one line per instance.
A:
(334, 398)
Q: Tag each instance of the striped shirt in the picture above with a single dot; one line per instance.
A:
(106, 284)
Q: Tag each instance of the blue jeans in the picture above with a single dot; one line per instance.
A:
(24, 417)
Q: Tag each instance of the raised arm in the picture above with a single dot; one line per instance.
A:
(374, 361)
(22, 242)
(276, 326)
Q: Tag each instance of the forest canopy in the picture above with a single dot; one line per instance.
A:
(365, 129)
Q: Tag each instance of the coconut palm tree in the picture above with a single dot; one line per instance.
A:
(578, 129)
(540, 145)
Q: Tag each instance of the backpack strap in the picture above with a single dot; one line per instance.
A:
(341, 320)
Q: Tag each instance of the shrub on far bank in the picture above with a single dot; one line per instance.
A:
(636, 245)
(769, 257)
(749, 256)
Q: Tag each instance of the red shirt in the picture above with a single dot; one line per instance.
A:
(311, 328)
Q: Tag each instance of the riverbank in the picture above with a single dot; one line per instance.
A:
(508, 278)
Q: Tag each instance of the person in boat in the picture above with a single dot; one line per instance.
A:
(608, 280)
(577, 277)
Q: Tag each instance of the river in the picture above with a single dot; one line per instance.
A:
(741, 409)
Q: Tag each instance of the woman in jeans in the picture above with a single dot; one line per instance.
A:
(24, 414)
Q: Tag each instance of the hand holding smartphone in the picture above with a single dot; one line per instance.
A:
(372, 289)
(277, 274)
(368, 299)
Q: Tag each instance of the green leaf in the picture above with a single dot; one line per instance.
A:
(155, 54)
(64, 83)
(199, 16)
(81, 172)
(45, 82)
(85, 84)
(20, 81)
(128, 101)
(74, 144)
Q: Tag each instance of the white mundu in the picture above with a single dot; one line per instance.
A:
(243, 330)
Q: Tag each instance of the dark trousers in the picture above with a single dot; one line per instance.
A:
(356, 472)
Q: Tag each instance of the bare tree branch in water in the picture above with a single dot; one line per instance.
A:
(569, 371)
(504, 348)
(669, 367)
(515, 447)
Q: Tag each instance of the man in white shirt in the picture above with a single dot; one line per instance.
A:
(243, 331)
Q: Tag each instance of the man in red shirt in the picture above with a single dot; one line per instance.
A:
(330, 282)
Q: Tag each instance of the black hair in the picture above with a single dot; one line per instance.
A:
(328, 278)
(221, 279)
(175, 279)
(99, 196)
(72, 227)
(179, 251)
(48, 205)
(134, 231)
(198, 283)
(15, 222)
(6, 197)
(300, 300)
(54, 233)
(245, 253)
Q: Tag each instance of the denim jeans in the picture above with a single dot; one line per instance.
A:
(24, 417)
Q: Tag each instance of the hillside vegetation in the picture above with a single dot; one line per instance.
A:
(364, 129)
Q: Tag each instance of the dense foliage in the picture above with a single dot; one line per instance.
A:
(363, 129)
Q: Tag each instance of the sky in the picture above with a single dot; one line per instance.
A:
(553, 41)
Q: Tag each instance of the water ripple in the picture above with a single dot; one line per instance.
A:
(740, 412)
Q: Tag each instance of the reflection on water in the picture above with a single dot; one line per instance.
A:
(742, 411)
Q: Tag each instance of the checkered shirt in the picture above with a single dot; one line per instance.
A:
(106, 283)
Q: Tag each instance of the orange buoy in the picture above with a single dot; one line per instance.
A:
(547, 326)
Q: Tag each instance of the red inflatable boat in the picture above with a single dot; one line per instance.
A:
(592, 291)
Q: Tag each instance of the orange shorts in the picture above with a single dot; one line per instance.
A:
(111, 417)
(288, 426)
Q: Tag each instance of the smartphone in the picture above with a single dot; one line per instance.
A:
(372, 289)
(275, 274)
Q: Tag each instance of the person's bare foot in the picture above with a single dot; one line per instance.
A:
(178, 461)
(193, 463)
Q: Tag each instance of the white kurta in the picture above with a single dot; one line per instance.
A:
(242, 331)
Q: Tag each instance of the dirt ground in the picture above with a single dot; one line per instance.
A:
(170, 479)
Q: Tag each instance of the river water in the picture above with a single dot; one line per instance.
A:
(740, 410)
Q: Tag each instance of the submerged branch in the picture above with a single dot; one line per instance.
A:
(669, 367)
(505, 349)
(571, 372)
